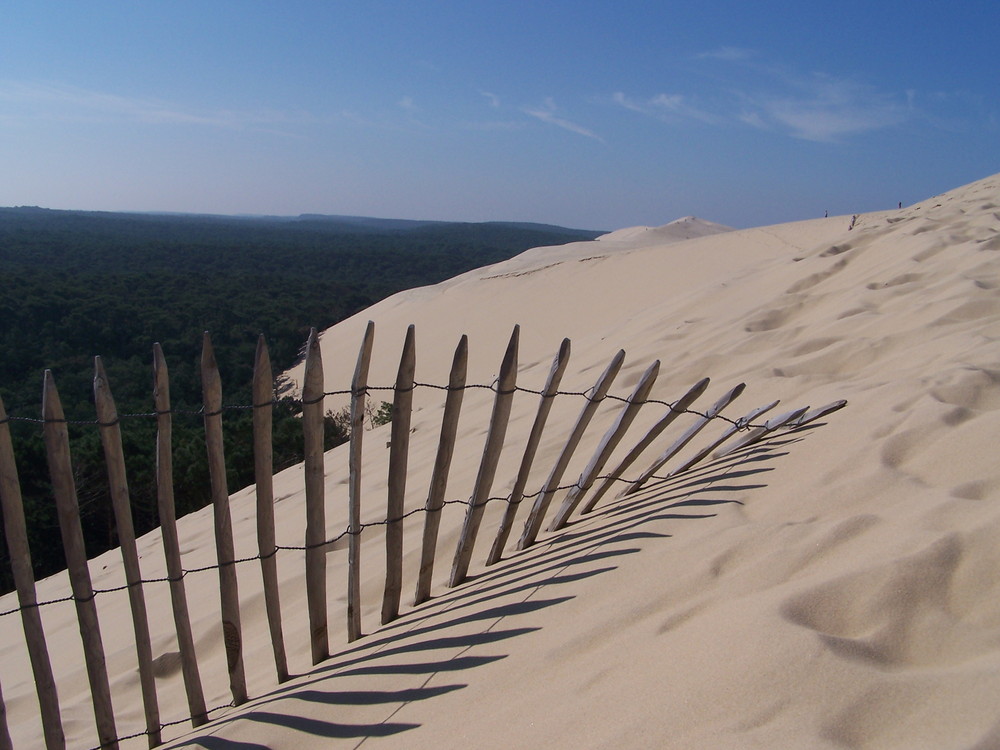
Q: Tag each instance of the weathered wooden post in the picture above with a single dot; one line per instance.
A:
(315, 488)
(171, 543)
(607, 445)
(673, 411)
(56, 437)
(684, 439)
(224, 547)
(402, 406)
(506, 385)
(600, 390)
(16, 534)
(545, 402)
(442, 465)
(114, 458)
(359, 387)
(263, 469)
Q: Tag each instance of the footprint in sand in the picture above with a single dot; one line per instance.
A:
(908, 613)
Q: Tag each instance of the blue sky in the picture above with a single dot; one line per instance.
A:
(588, 114)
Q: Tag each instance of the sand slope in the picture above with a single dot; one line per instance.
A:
(837, 588)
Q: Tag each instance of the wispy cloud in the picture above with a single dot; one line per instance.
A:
(824, 108)
(494, 100)
(666, 107)
(547, 114)
(70, 103)
(769, 96)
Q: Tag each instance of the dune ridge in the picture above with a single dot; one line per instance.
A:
(837, 587)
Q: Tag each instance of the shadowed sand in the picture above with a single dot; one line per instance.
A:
(836, 586)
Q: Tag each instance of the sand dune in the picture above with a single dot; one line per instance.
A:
(836, 587)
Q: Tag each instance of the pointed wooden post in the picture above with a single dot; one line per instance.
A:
(5, 741)
(765, 429)
(741, 423)
(442, 464)
(16, 534)
(114, 458)
(506, 385)
(673, 411)
(600, 390)
(232, 631)
(819, 411)
(684, 439)
(315, 486)
(171, 543)
(607, 446)
(359, 389)
(64, 488)
(263, 467)
(402, 406)
(545, 403)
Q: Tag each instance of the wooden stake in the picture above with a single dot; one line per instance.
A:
(545, 403)
(315, 486)
(232, 632)
(64, 489)
(263, 467)
(768, 427)
(402, 407)
(726, 434)
(171, 545)
(684, 439)
(506, 385)
(607, 445)
(597, 395)
(114, 457)
(442, 464)
(16, 534)
(359, 386)
(673, 411)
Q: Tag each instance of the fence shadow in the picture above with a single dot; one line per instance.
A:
(470, 617)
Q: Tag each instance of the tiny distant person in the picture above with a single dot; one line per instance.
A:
(826, 214)
(901, 204)
(853, 221)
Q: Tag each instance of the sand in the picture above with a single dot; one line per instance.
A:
(835, 588)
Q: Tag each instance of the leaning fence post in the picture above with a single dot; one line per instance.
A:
(673, 411)
(402, 405)
(224, 547)
(263, 468)
(16, 534)
(114, 457)
(359, 387)
(315, 483)
(171, 545)
(684, 439)
(64, 489)
(545, 403)
(5, 741)
(442, 464)
(506, 385)
(769, 426)
(741, 424)
(607, 445)
(597, 395)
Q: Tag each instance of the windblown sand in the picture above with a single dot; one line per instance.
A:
(839, 587)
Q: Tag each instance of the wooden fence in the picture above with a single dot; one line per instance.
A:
(580, 496)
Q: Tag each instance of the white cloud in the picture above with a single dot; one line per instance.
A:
(666, 107)
(70, 103)
(493, 99)
(824, 108)
(547, 114)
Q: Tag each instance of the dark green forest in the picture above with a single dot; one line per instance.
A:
(77, 284)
